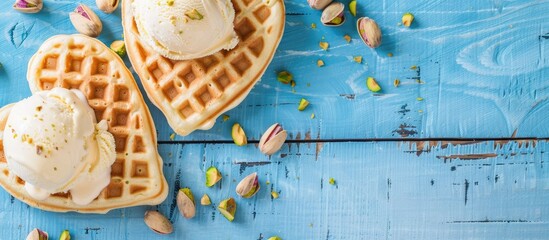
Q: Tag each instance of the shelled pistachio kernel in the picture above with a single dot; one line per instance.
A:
(194, 14)
(205, 200)
(227, 208)
(65, 235)
(332, 181)
(119, 47)
(284, 77)
(396, 83)
(303, 104)
(319, 63)
(347, 38)
(357, 59)
(324, 45)
(274, 195)
(407, 19)
(372, 84)
(212, 176)
(275, 238)
(239, 136)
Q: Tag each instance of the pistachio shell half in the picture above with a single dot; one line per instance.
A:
(185, 203)
(249, 186)
(86, 21)
(107, 6)
(333, 16)
(28, 6)
(318, 4)
(37, 234)
(273, 139)
(369, 32)
(158, 223)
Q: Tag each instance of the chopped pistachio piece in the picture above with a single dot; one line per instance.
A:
(285, 77)
(337, 20)
(65, 235)
(372, 84)
(172, 136)
(407, 19)
(226, 117)
(212, 176)
(396, 82)
(347, 38)
(292, 83)
(303, 104)
(268, 182)
(239, 136)
(313, 25)
(357, 59)
(324, 45)
(275, 238)
(170, 2)
(205, 200)
(194, 14)
(413, 67)
(119, 47)
(319, 63)
(390, 54)
(312, 115)
(419, 98)
(227, 208)
(274, 195)
(332, 181)
(352, 8)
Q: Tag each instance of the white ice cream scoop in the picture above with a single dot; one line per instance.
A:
(186, 29)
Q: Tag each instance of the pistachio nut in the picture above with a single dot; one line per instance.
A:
(86, 21)
(369, 32)
(119, 47)
(249, 186)
(205, 200)
(185, 203)
(407, 19)
(273, 139)
(65, 235)
(107, 6)
(239, 136)
(158, 223)
(212, 176)
(275, 238)
(318, 4)
(28, 6)
(37, 234)
(333, 16)
(227, 208)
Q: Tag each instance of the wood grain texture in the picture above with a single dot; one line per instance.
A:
(482, 71)
(383, 191)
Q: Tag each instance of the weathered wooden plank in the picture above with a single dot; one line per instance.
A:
(482, 68)
(386, 190)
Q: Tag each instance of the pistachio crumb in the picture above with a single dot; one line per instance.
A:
(303, 104)
(312, 115)
(268, 182)
(390, 54)
(357, 59)
(313, 25)
(170, 2)
(274, 195)
(414, 67)
(324, 45)
(226, 117)
(347, 38)
(332, 181)
(172, 136)
(319, 63)
(419, 99)
(292, 83)
(396, 82)
(285, 77)
(194, 14)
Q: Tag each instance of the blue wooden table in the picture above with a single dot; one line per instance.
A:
(457, 151)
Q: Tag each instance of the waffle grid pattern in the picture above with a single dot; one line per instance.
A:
(136, 175)
(193, 93)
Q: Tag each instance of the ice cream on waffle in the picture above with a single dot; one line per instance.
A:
(52, 142)
(176, 48)
(136, 176)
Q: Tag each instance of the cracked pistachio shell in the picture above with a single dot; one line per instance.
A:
(369, 32)
(28, 6)
(273, 139)
(86, 21)
(318, 4)
(249, 186)
(107, 6)
(158, 223)
(185, 203)
(37, 234)
(333, 16)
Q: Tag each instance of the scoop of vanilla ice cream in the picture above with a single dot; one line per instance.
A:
(186, 29)
(52, 141)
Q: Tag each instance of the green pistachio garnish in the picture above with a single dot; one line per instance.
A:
(285, 77)
(65, 235)
(227, 208)
(372, 84)
(303, 104)
(239, 136)
(194, 14)
(407, 19)
(119, 47)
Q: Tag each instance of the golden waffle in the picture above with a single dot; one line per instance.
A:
(80, 62)
(193, 93)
